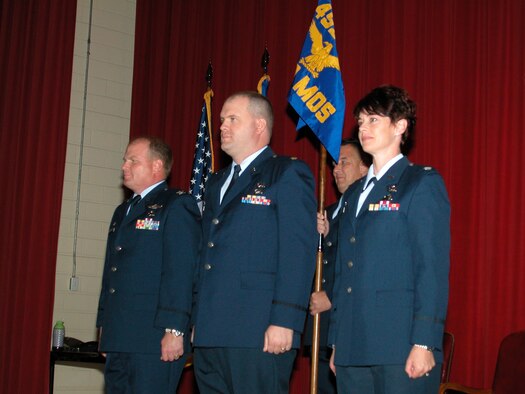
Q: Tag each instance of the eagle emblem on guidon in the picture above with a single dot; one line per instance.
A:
(320, 54)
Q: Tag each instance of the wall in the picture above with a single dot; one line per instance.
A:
(106, 133)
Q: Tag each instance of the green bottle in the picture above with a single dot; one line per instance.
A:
(59, 332)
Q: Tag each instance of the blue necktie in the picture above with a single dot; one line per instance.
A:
(134, 201)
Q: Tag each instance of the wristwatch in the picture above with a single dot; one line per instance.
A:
(175, 332)
(430, 349)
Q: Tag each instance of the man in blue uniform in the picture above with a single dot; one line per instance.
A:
(146, 297)
(257, 261)
(352, 165)
(391, 290)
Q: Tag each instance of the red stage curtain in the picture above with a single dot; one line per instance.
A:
(463, 63)
(36, 54)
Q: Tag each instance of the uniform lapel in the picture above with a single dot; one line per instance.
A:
(118, 219)
(213, 189)
(347, 211)
(355, 198)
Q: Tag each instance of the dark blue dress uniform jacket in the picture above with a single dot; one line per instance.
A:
(148, 273)
(257, 258)
(392, 269)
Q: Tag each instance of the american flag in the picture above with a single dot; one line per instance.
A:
(203, 157)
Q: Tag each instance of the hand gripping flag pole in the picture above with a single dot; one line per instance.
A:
(314, 372)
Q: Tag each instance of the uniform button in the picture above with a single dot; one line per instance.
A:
(215, 221)
(350, 264)
(323, 281)
(118, 248)
(325, 261)
(207, 267)
(352, 240)
(111, 291)
(113, 269)
(349, 290)
(329, 243)
(211, 244)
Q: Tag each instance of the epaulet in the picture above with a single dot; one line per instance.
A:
(178, 192)
(421, 168)
(284, 158)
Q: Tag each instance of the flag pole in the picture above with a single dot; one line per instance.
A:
(265, 60)
(207, 98)
(317, 95)
(318, 276)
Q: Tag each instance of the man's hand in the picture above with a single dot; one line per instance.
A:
(172, 347)
(419, 362)
(319, 302)
(323, 226)
(277, 339)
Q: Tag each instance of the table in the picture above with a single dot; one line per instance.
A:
(71, 356)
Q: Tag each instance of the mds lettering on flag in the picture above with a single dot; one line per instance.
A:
(317, 93)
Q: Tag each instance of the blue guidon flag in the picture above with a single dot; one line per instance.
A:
(317, 93)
